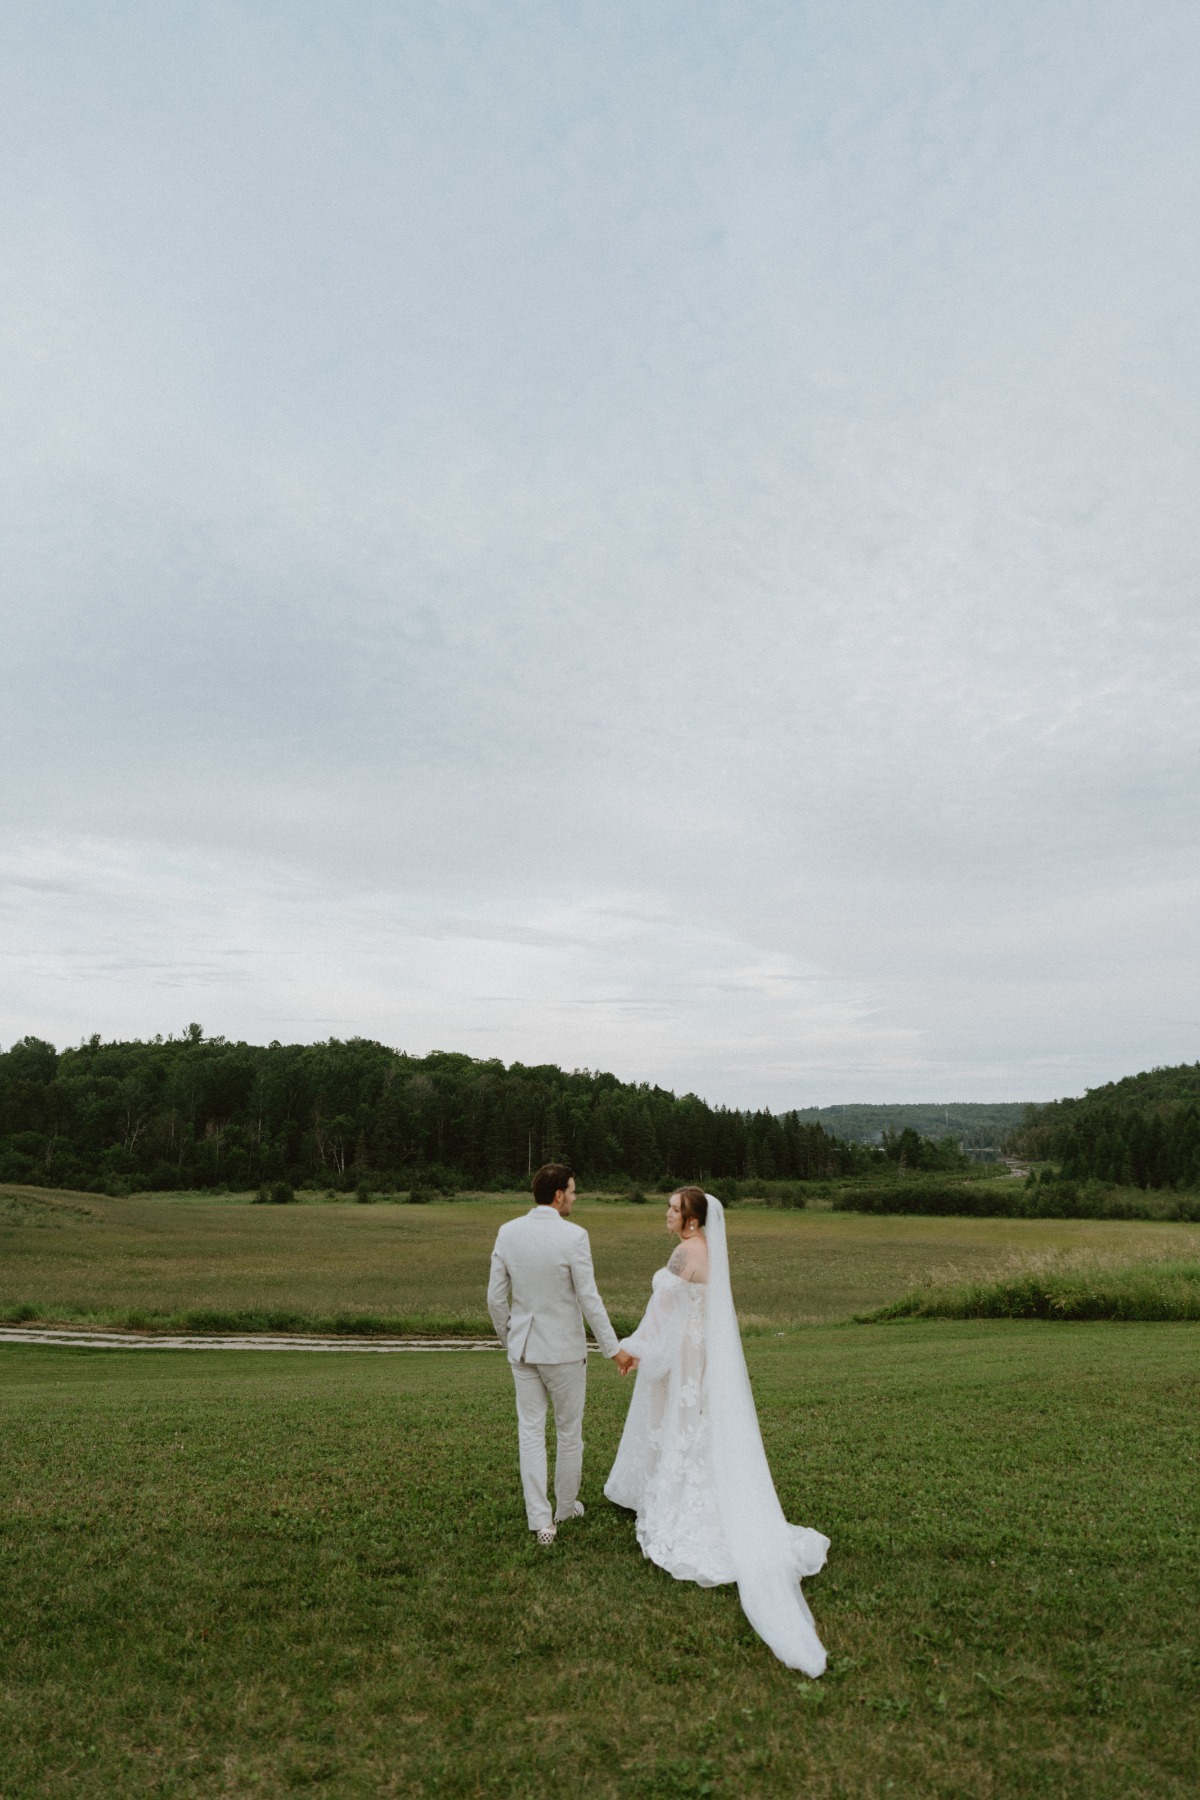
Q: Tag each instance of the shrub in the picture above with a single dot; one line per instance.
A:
(419, 1194)
(781, 1193)
(275, 1193)
(756, 1187)
(969, 1199)
(1037, 1199)
(636, 1197)
(376, 1182)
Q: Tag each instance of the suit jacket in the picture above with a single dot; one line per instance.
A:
(542, 1288)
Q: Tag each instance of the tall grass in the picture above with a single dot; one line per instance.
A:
(1083, 1286)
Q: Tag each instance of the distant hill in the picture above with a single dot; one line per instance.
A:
(976, 1125)
(1143, 1130)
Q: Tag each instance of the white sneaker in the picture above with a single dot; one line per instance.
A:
(576, 1512)
(547, 1535)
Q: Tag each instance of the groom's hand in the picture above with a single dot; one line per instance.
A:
(624, 1361)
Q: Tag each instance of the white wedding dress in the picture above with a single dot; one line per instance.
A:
(691, 1462)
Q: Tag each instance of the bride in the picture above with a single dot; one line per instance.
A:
(691, 1462)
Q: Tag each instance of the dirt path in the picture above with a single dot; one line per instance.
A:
(83, 1337)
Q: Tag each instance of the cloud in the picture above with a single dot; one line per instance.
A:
(599, 982)
(669, 544)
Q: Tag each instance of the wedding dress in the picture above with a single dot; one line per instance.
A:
(691, 1462)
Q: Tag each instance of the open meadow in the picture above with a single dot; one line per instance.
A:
(237, 1573)
(189, 1259)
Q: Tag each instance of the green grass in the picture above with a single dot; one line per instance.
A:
(227, 1265)
(1071, 1288)
(235, 1574)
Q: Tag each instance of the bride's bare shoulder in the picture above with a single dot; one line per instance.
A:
(689, 1260)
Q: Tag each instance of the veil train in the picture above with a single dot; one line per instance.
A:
(769, 1555)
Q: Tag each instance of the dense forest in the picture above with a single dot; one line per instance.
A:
(1143, 1131)
(197, 1112)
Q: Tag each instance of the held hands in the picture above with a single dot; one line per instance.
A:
(625, 1362)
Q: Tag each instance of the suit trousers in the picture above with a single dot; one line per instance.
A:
(566, 1385)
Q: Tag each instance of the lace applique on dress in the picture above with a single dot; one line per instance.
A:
(691, 1454)
(664, 1468)
(678, 1525)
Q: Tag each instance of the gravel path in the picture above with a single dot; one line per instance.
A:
(140, 1340)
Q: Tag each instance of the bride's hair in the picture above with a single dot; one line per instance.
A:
(693, 1204)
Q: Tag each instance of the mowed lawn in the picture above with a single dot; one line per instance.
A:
(425, 1267)
(275, 1573)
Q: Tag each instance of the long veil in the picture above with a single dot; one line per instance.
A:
(769, 1555)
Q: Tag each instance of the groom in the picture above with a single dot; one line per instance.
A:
(540, 1291)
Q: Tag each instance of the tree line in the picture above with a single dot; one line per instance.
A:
(201, 1112)
(1142, 1131)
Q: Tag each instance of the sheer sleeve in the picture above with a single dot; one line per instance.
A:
(657, 1340)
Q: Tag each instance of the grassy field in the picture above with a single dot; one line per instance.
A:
(231, 1574)
(186, 1259)
(265, 1574)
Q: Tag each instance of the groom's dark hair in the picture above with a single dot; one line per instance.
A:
(551, 1179)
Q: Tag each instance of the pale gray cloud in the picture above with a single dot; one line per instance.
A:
(658, 539)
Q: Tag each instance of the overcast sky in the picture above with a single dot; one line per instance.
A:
(654, 537)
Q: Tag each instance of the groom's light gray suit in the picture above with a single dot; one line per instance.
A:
(540, 1291)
